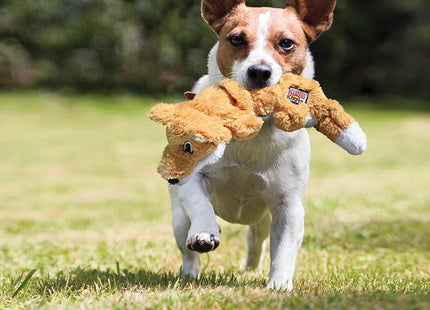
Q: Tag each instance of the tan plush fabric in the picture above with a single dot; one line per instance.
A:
(231, 112)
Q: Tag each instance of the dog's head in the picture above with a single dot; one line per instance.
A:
(194, 140)
(258, 45)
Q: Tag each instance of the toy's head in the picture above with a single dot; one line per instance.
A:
(185, 154)
(194, 140)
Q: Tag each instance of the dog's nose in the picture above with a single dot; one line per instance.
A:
(259, 75)
(173, 181)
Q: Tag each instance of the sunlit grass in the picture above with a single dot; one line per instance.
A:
(80, 202)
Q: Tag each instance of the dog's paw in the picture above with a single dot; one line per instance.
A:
(203, 242)
(281, 285)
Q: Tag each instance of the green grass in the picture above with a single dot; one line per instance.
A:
(82, 205)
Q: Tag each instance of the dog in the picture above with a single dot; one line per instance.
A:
(258, 182)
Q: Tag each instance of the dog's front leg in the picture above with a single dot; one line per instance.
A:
(181, 226)
(286, 237)
(194, 223)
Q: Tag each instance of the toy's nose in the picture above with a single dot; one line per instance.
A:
(173, 181)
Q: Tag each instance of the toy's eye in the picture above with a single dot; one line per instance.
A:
(287, 44)
(188, 147)
(237, 40)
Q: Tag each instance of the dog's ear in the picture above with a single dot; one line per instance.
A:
(161, 113)
(215, 11)
(317, 15)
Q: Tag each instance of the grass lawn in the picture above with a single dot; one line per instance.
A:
(85, 219)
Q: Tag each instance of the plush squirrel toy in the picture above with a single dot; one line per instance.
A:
(198, 127)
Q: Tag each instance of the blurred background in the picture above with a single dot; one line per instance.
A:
(160, 47)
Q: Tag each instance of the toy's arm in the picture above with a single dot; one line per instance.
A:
(338, 126)
(326, 115)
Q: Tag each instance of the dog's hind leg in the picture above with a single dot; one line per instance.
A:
(181, 226)
(256, 237)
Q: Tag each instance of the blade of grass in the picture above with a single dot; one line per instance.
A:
(24, 283)
(118, 272)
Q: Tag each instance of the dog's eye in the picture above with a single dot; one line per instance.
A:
(236, 40)
(287, 44)
(188, 147)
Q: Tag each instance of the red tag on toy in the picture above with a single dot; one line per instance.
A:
(190, 95)
(297, 96)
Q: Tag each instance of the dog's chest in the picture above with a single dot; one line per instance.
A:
(240, 184)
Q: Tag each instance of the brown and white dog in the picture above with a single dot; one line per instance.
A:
(258, 182)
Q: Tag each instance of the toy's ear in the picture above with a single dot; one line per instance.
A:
(317, 15)
(206, 129)
(161, 113)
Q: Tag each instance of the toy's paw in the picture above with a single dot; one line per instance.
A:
(353, 139)
(203, 242)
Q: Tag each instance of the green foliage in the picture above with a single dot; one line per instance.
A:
(82, 204)
(374, 47)
(147, 45)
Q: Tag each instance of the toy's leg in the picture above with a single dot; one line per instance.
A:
(291, 117)
(246, 127)
(181, 225)
(256, 237)
(286, 237)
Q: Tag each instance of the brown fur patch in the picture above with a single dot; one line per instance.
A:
(284, 24)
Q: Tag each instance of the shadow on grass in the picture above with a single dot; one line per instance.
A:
(79, 280)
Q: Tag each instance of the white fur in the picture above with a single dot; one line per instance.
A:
(211, 159)
(258, 182)
(257, 56)
(353, 139)
(309, 70)
(214, 75)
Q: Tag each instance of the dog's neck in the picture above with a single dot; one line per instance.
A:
(215, 75)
